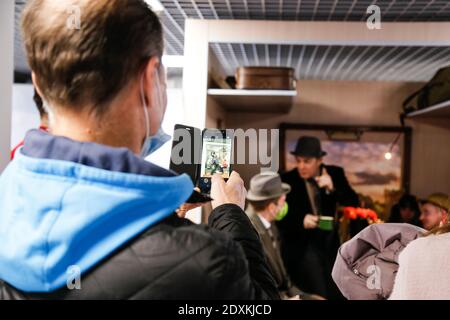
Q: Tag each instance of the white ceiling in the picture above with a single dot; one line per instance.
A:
(311, 62)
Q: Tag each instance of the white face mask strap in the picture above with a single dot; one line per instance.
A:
(158, 89)
(144, 105)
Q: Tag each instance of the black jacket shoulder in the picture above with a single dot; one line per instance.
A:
(334, 170)
(290, 175)
(174, 259)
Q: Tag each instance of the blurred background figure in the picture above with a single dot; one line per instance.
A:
(309, 249)
(423, 272)
(267, 203)
(434, 210)
(406, 211)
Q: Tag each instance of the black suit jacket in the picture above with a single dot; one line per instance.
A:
(274, 260)
(294, 235)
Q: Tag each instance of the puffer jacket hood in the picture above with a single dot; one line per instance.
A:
(55, 214)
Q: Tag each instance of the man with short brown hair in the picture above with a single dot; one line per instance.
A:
(86, 68)
(82, 214)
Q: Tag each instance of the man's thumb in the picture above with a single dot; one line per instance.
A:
(217, 178)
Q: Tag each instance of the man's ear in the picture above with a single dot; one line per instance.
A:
(444, 218)
(33, 79)
(272, 206)
(150, 71)
(320, 163)
(279, 200)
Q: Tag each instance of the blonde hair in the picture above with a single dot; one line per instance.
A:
(441, 229)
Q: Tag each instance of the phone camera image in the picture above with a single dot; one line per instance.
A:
(216, 156)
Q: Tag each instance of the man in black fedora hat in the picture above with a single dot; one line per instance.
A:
(309, 232)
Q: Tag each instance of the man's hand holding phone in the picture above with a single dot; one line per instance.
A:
(185, 207)
(233, 191)
(196, 200)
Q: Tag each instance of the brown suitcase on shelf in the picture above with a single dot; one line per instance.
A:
(272, 78)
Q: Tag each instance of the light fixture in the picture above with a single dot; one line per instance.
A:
(155, 5)
(388, 155)
(344, 135)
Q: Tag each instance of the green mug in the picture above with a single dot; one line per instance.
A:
(326, 223)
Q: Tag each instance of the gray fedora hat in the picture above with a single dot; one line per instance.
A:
(267, 185)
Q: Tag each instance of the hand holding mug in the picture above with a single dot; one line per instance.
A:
(310, 221)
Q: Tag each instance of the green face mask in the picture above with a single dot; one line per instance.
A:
(283, 212)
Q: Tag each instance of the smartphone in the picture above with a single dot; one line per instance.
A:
(186, 151)
(198, 197)
(217, 148)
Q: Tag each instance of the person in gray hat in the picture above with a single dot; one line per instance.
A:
(267, 203)
(310, 231)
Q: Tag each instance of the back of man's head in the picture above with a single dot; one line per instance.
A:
(88, 65)
(262, 205)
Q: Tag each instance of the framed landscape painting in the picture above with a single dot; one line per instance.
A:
(376, 160)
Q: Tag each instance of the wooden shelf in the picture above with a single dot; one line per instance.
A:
(441, 110)
(263, 101)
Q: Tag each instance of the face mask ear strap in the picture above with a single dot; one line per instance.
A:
(158, 87)
(157, 93)
(144, 105)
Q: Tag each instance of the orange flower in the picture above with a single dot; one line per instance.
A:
(354, 213)
(350, 213)
(361, 212)
(372, 215)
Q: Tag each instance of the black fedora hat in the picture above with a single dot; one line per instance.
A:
(308, 147)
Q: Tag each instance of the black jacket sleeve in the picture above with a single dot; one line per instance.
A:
(258, 282)
(344, 193)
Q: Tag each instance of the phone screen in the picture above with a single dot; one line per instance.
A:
(216, 153)
(186, 150)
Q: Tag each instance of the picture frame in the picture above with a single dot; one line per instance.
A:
(378, 177)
